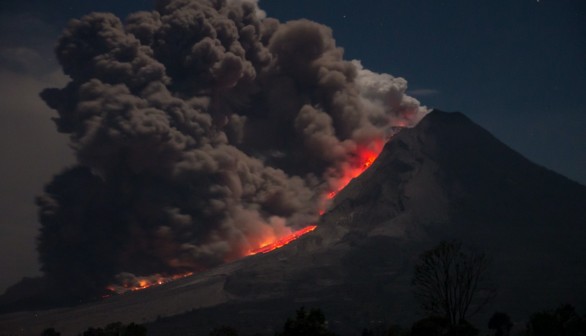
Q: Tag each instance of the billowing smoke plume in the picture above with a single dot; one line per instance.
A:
(201, 129)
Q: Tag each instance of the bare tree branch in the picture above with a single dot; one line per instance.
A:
(451, 282)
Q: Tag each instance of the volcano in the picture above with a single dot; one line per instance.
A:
(447, 178)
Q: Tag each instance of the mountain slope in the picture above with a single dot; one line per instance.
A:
(445, 179)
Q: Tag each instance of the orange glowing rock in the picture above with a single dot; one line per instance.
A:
(283, 241)
(144, 282)
(369, 162)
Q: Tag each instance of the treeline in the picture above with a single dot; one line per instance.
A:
(450, 284)
(563, 321)
(112, 329)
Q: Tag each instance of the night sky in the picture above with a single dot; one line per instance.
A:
(518, 68)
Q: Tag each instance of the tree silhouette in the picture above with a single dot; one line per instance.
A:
(117, 329)
(463, 328)
(563, 321)
(396, 330)
(440, 326)
(431, 326)
(450, 282)
(134, 329)
(367, 332)
(50, 332)
(312, 323)
(224, 331)
(501, 324)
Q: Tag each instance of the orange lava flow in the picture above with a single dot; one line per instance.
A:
(268, 247)
(358, 163)
(364, 158)
(141, 283)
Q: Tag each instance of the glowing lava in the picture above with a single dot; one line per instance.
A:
(140, 283)
(268, 247)
(362, 160)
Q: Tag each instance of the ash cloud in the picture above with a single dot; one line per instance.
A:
(200, 129)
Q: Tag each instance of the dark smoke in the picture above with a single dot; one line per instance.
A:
(200, 129)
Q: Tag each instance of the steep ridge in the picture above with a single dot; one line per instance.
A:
(445, 179)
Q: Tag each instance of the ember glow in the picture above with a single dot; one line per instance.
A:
(140, 283)
(364, 158)
(275, 244)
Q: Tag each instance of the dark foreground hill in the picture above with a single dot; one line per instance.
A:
(445, 179)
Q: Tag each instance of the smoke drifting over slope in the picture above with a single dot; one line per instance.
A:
(201, 129)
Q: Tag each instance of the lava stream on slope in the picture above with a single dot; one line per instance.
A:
(364, 158)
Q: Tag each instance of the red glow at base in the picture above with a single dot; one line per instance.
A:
(144, 282)
(268, 247)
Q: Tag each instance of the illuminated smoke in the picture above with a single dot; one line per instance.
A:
(202, 129)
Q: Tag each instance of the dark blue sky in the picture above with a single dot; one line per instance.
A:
(516, 67)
